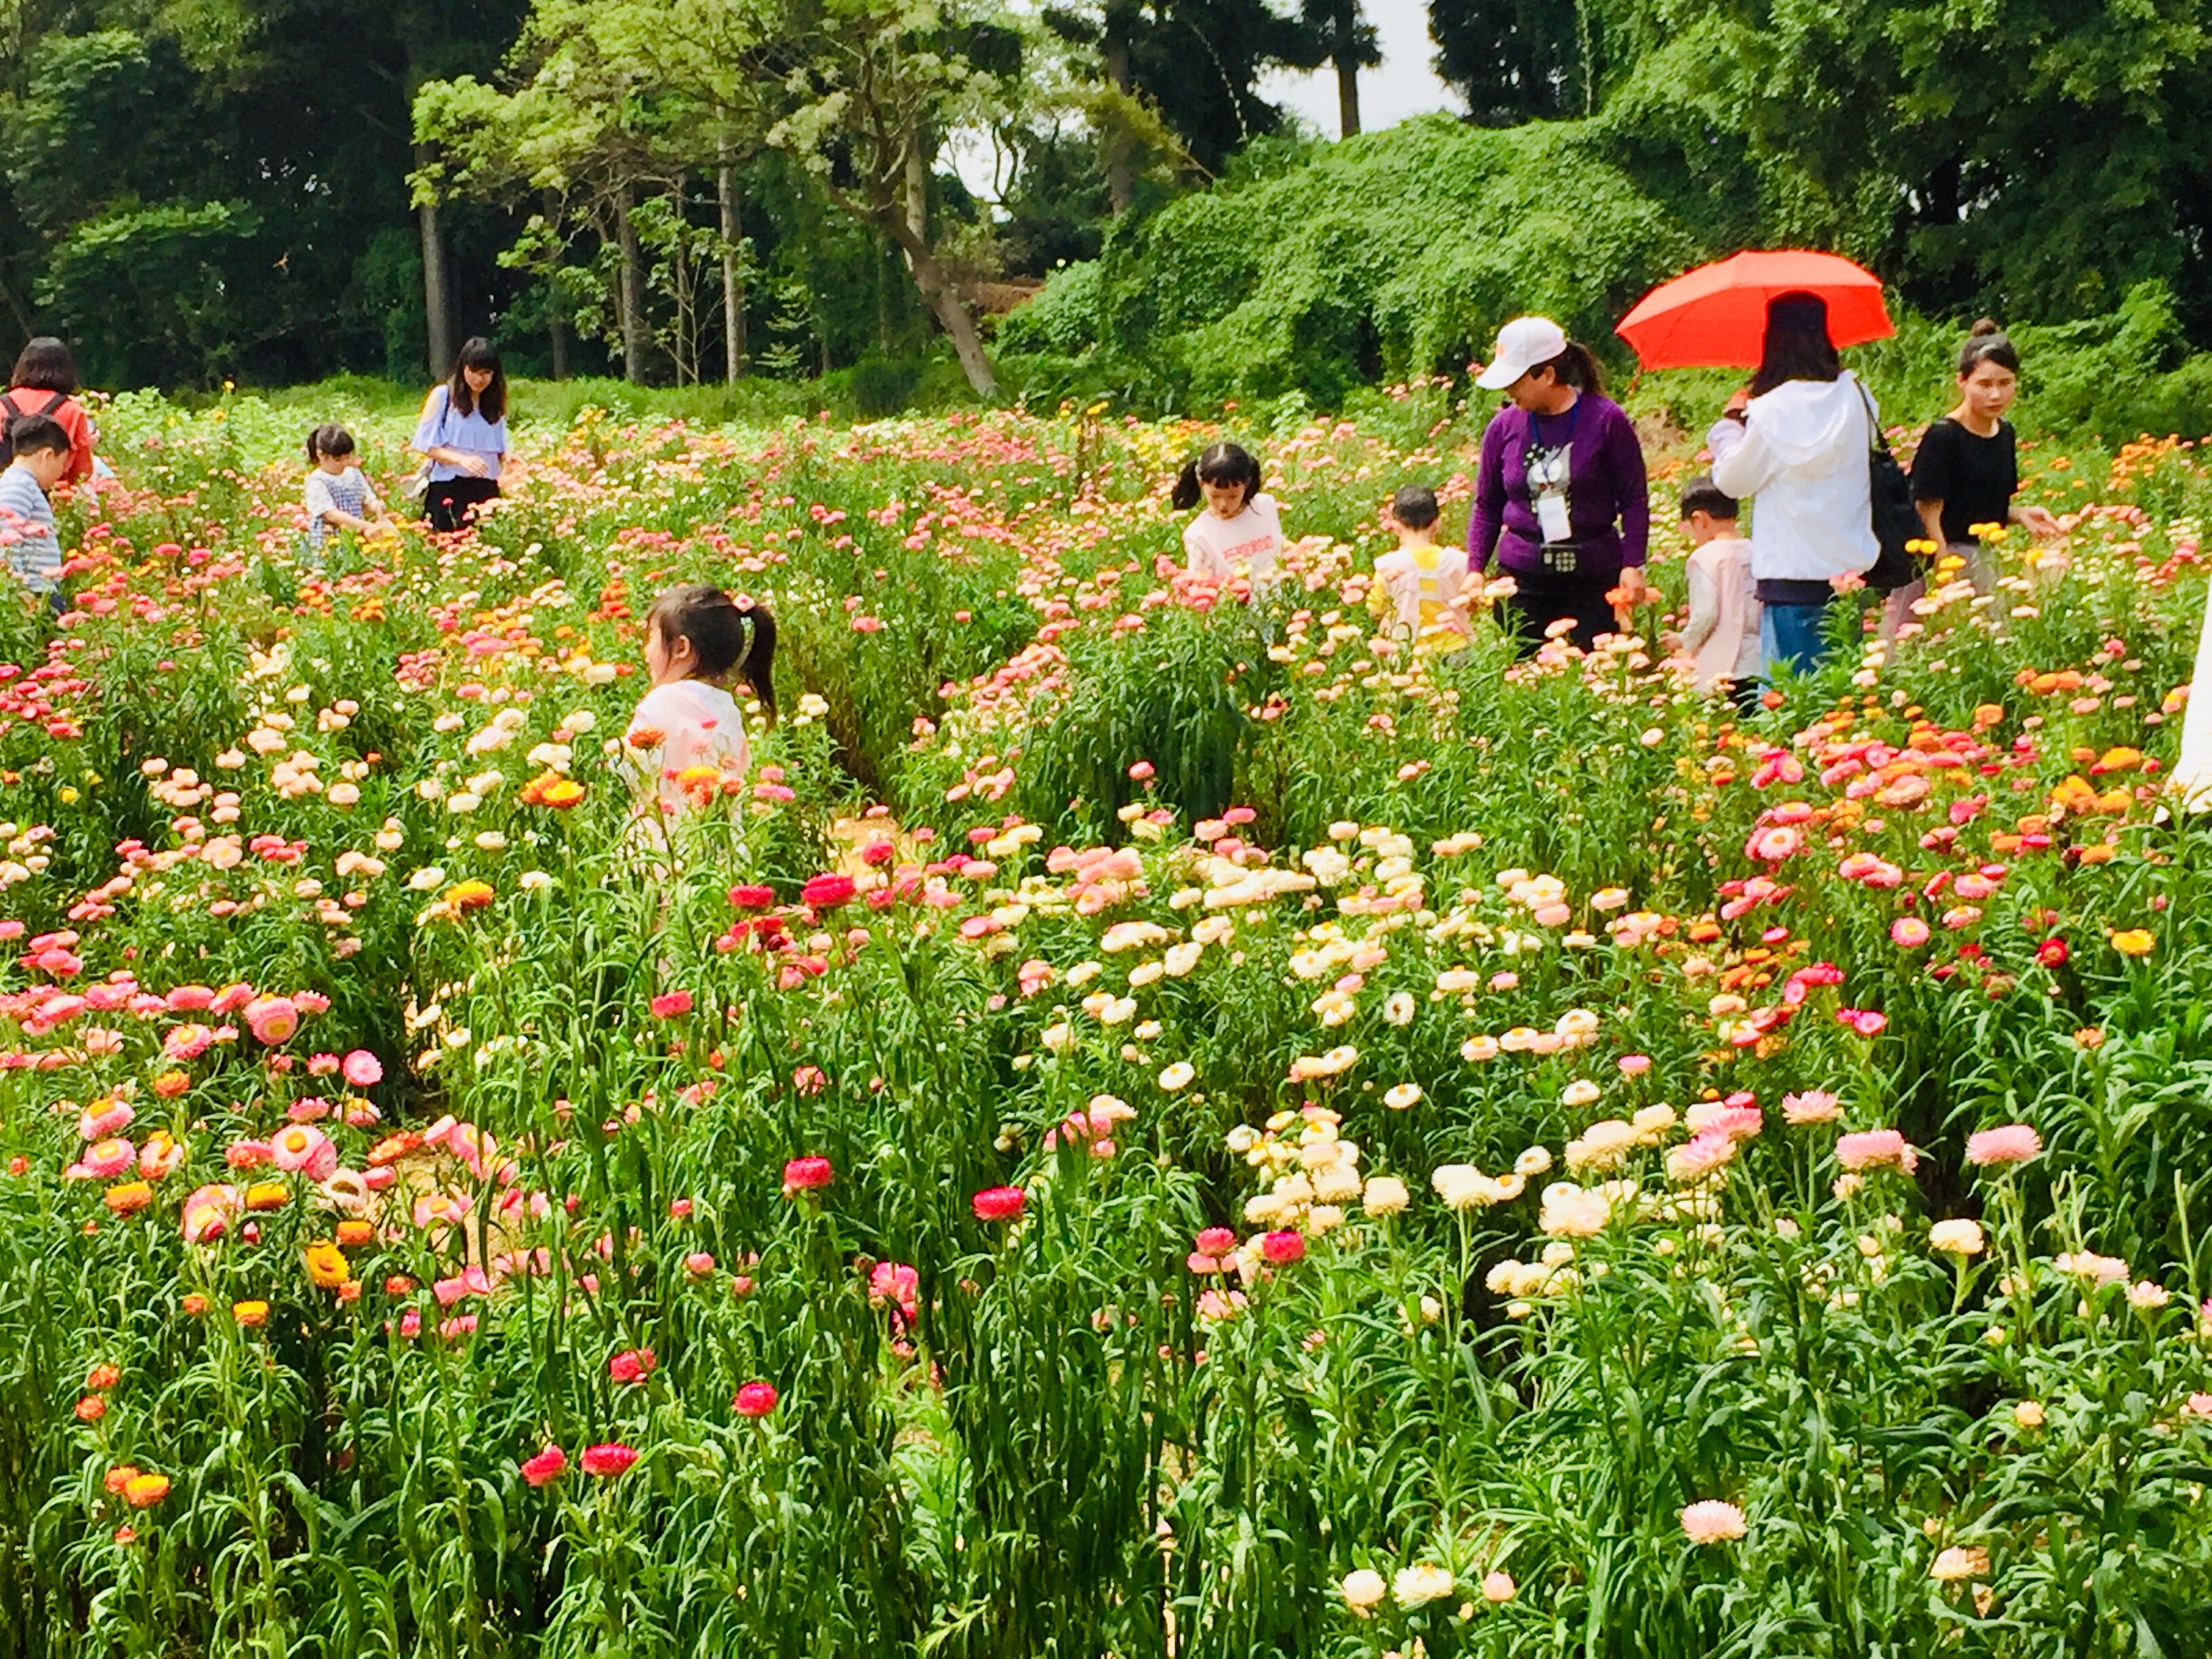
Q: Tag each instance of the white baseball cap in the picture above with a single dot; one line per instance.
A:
(1522, 345)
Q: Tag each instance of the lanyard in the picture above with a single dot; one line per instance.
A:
(1536, 427)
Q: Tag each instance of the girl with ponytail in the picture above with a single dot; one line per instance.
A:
(689, 734)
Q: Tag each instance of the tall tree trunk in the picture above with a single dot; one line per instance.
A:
(1347, 86)
(1121, 178)
(733, 273)
(917, 187)
(630, 295)
(437, 296)
(943, 301)
(557, 326)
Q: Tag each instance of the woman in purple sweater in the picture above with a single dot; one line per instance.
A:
(1560, 497)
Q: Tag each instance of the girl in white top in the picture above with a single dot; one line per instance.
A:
(337, 495)
(463, 436)
(688, 735)
(1240, 532)
(1720, 634)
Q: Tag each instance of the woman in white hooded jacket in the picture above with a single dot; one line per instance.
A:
(1799, 440)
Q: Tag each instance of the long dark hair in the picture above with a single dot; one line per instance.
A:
(1987, 343)
(479, 353)
(1576, 367)
(45, 365)
(1797, 346)
(727, 635)
(1218, 464)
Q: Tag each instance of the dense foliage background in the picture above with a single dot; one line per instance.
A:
(275, 190)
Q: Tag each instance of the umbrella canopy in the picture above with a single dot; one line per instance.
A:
(1715, 316)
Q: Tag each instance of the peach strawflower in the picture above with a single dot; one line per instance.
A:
(1711, 1521)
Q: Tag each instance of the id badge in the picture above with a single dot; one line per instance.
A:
(1551, 516)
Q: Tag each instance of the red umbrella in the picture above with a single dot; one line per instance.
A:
(1715, 316)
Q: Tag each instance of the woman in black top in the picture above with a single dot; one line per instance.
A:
(1967, 471)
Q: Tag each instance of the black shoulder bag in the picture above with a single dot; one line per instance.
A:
(1896, 516)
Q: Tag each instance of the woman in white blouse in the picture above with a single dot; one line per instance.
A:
(463, 434)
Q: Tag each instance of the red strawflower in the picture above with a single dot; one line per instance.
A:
(999, 1203)
(1284, 1248)
(756, 1400)
(805, 1173)
(826, 892)
(752, 897)
(609, 1460)
(547, 1466)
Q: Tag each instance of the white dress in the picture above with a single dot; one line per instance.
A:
(681, 726)
(2192, 774)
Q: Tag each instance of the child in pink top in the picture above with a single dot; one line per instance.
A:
(1240, 533)
(688, 734)
(1721, 634)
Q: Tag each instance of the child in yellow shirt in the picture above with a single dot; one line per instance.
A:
(1417, 584)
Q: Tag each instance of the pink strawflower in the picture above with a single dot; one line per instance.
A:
(670, 1004)
(803, 1174)
(897, 1283)
(1876, 1149)
(2009, 1143)
(1813, 1106)
(632, 1365)
(1773, 845)
(1908, 932)
(272, 1019)
(1865, 1021)
(548, 1465)
(1284, 1248)
(302, 1149)
(1712, 1522)
(112, 1117)
(609, 1459)
(1216, 1240)
(1699, 1156)
(103, 1160)
(756, 1400)
(362, 1069)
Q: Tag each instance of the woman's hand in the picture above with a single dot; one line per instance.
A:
(1739, 403)
(472, 465)
(1633, 589)
(2039, 521)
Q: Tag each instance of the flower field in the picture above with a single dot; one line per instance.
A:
(1152, 1125)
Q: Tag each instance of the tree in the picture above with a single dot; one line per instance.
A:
(1197, 62)
(2032, 158)
(1344, 38)
(1515, 60)
(867, 88)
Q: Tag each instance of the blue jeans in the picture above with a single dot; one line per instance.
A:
(1790, 636)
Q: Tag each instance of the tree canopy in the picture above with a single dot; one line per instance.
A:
(686, 190)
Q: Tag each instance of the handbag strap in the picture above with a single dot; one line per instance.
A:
(1877, 440)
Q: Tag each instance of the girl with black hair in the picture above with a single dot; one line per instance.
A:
(44, 382)
(1967, 471)
(338, 496)
(1561, 496)
(1241, 531)
(688, 730)
(1799, 439)
(463, 434)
